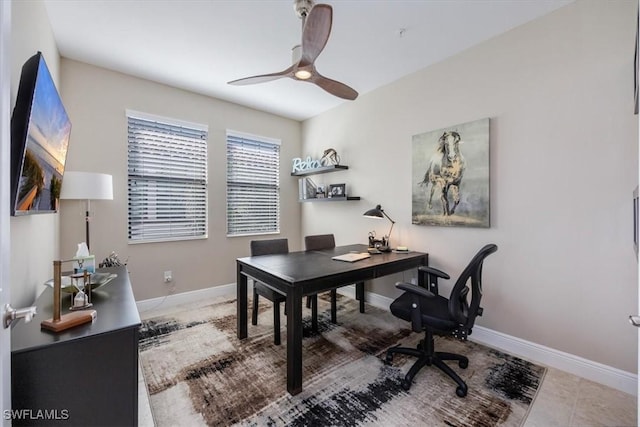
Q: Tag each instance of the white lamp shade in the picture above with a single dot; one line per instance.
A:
(86, 186)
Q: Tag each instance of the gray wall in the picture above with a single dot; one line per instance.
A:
(96, 100)
(564, 163)
(35, 239)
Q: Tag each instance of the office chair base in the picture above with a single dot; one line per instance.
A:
(426, 358)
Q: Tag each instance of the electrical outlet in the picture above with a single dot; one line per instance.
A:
(168, 276)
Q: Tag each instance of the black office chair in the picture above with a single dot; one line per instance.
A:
(268, 247)
(428, 311)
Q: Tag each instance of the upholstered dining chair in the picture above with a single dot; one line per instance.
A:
(434, 314)
(320, 242)
(268, 247)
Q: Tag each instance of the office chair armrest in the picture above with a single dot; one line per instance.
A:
(416, 311)
(430, 270)
(415, 289)
(431, 280)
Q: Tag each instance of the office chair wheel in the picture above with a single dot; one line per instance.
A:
(406, 385)
(388, 359)
(463, 364)
(461, 391)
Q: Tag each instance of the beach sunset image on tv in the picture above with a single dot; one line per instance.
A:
(45, 150)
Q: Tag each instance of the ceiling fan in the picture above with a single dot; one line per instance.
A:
(316, 27)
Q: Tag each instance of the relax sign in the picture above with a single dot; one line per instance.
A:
(300, 165)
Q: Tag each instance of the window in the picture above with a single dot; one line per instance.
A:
(253, 184)
(167, 179)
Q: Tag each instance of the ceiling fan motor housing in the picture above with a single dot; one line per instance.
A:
(302, 7)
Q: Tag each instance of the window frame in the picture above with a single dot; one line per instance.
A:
(200, 168)
(254, 139)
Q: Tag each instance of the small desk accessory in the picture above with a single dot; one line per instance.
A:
(82, 299)
(63, 322)
(382, 245)
(351, 257)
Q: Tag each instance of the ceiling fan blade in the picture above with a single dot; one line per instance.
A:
(336, 88)
(315, 33)
(262, 78)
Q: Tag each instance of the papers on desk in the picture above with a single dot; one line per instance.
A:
(351, 257)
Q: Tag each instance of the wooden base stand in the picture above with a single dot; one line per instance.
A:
(69, 320)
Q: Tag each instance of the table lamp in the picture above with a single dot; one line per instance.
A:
(86, 186)
(378, 212)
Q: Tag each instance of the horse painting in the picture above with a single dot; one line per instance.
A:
(446, 169)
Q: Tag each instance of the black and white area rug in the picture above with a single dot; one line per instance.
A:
(199, 373)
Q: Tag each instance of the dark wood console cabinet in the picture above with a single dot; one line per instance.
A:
(86, 375)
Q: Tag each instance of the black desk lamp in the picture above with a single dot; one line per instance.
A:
(378, 212)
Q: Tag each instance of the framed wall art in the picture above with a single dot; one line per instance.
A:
(450, 176)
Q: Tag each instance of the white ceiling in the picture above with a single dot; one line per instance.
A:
(200, 45)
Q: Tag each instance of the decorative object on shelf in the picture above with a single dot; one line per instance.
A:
(321, 192)
(300, 165)
(60, 322)
(378, 213)
(112, 261)
(440, 167)
(307, 189)
(87, 186)
(337, 190)
(83, 260)
(82, 299)
(330, 157)
(97, 280)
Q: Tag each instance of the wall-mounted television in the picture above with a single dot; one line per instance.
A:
(40, 130)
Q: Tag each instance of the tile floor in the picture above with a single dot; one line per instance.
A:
(564, 400)
(568, 400)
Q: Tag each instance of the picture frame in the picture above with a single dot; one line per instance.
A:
(450, 176)
(337, 190)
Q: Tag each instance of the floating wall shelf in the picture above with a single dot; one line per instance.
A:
(323, 169)
(330, 199)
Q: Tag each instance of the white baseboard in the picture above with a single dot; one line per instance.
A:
(186, 297)
(594, 371)
(576, 365)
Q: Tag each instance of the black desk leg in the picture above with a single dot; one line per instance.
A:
(294, 340)
(334, 317)
(360, 295)
(241, 303)
(314, 313)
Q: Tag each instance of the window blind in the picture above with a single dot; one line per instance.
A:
(253, 185)
(167, 179)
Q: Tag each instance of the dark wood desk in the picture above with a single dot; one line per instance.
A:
(297, 274)
(86, 375)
